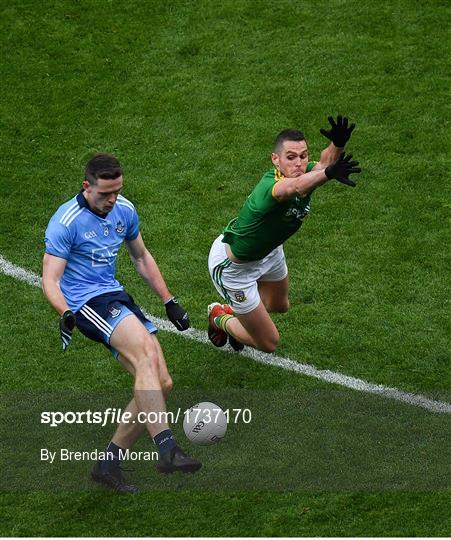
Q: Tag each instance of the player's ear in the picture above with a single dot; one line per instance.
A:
(275, 159)
(85, 184)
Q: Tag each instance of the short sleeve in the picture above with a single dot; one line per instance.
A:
(58, 240)
(133, 226)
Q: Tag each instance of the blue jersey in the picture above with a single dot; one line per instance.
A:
(90, 243)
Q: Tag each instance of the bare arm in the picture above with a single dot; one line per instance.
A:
(338, 170)
(52, 270)
(147, 268)
(328, 156)
(302, 185)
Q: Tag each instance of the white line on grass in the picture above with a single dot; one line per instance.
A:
(417, 400)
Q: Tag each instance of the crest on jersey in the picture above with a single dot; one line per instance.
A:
(114, 312)
(120, 227)
(240, 296)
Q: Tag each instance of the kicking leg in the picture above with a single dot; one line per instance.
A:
(128, 433)
(145, 359)
(132, 341)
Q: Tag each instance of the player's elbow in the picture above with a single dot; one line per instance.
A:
(141, 260)
(45, 285)
(284, 193)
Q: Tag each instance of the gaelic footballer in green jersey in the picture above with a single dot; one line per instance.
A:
(263, 222)
(247, 263)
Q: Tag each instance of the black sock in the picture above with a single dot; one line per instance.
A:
(112, 458)
(165, 441)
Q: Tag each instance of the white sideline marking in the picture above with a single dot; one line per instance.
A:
(417, 400)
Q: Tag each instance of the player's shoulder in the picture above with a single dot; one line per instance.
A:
(125, 204)
(67, 213)
(273, 175)
(268, 179)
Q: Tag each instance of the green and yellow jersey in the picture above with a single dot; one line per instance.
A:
(263, 222)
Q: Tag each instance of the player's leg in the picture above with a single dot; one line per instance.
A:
(108, 471)
(218, 261)
(254, 328)
(273, 282)
(141, 349)
(127, 433)
(249, 322)
(165, 378)
(103, 319)
(274, 295)
(246, 318)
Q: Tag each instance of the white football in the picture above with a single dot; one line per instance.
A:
(205, 423)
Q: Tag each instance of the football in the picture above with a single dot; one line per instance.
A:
(205, 423)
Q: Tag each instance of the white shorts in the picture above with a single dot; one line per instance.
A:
(237, 282)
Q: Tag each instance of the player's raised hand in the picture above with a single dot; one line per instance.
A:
(339, 132)
(342, 168)
(177, 314)
(67, 324)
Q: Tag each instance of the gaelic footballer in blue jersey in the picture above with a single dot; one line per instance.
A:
(82, 242)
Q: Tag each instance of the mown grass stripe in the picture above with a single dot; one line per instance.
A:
(417, 400)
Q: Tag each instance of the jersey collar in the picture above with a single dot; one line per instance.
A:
(83, 203)
(278, 175)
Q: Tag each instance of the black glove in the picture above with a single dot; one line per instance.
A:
(67, 324)
(176, 314)
(342, 168)
(339, 133)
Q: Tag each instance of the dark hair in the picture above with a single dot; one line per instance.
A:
(287, 135)
(103, 166)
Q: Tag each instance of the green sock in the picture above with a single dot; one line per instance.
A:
(221, 321)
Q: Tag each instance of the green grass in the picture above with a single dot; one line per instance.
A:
(189, 96)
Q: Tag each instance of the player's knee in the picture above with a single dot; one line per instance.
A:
(269, 344)
(166, 385)
(147, 359)
(282, 307)
(285, 308)
(268, 347)
(151, 361)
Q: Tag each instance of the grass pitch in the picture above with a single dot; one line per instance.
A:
(189, 96)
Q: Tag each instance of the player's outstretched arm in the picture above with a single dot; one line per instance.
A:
(299, 186)
(339, 170)
(148, 269)
(339, 134)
